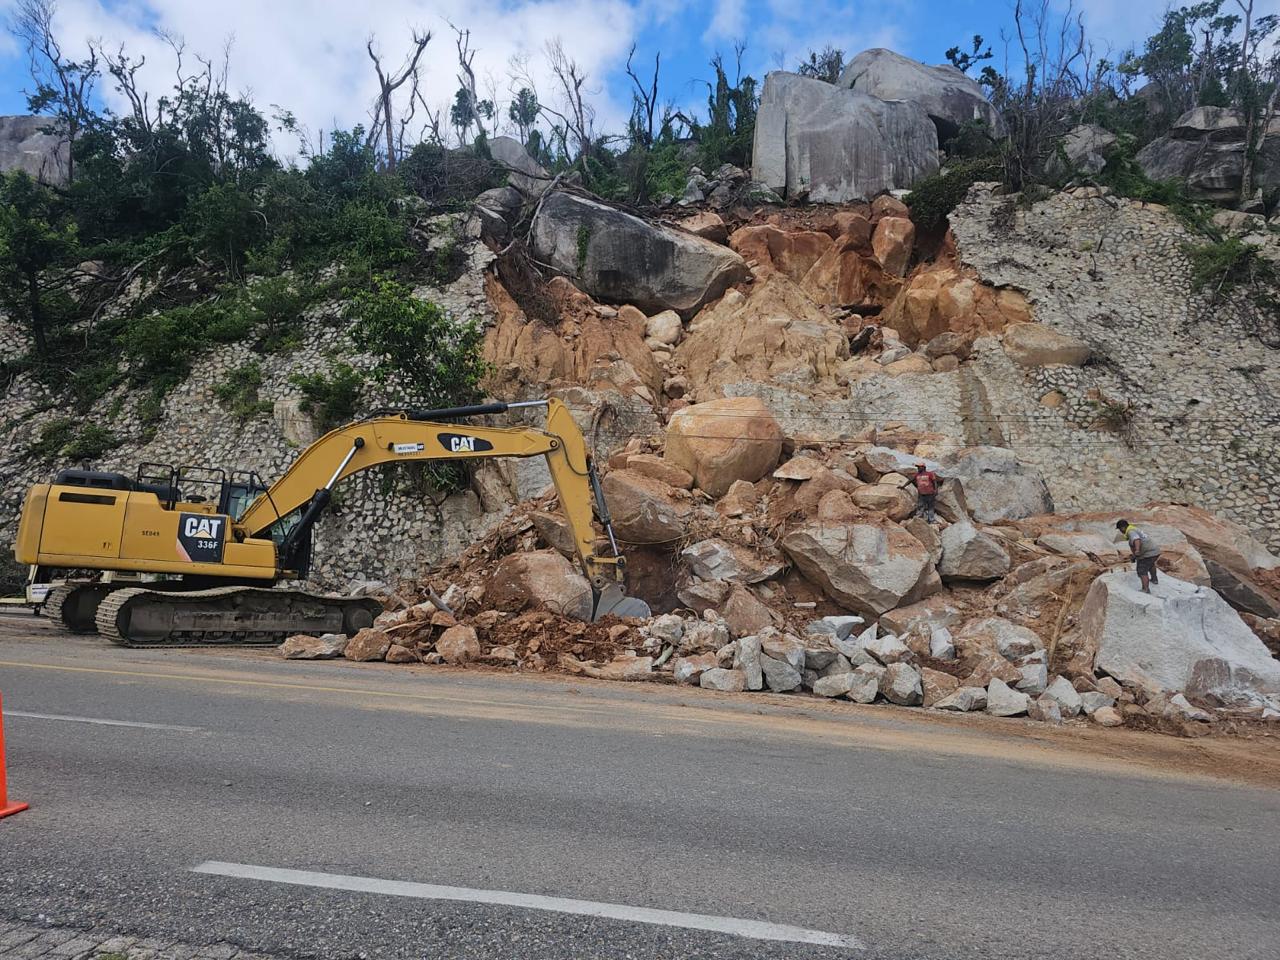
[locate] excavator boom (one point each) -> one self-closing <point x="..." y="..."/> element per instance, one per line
<point x="119" y="526"/>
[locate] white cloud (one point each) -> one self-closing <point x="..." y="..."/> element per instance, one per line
<point x="728" y="21"/>
<point x="309" y="55"/>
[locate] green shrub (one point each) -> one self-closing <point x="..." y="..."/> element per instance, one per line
<point x="239" y="392"/>
<point x="423" y="351"/>
<point x="1222" y="265"/>
<point x="333" y="397"/>
<point x="68" y="439"/>
<point x="933" y="198"/>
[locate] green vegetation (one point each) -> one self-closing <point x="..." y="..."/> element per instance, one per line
<point x="932" y="199"/>
<point x="1220" y="266"/>
<point x="239" y="392"/>
<point x="422" y="353"/>
<point x="584" y="247"/>
<point x="332" y="397"/>
<point x="69" y="439"/>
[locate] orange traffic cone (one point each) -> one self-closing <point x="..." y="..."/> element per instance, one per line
<point x="6" y="808"/>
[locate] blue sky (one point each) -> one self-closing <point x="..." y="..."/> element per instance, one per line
<point x="308" y="55"/>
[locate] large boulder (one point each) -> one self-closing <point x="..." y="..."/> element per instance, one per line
<point x="997" y="486"/>
<point x="644" y="510"/>
<point x="721" y="441"/>
<point x="776" y="335"/>
<point x="716" y="559"/>
<point x="26" y="147"/>
<point x="1035" y="345"/>
<point x="771" y="249"/>
<point x="970" y="554"/>
<point x="1205" y="148"/>
<point x="949" y="97"/>
<point x="941" y="299"/>
<point x="869" y="568"/>
<point x="523" y="172"/>
<point x="541" y="577"/>
<point x="831" y="144"/>
<point x="1178" y="638"/>
<point x="1085" y="149"/>
<point x="620" y="258"/>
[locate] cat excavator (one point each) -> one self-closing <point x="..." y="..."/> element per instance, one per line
<point x="211" y="546"/>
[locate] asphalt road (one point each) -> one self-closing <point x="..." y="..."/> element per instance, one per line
<point x="913" y="839"/>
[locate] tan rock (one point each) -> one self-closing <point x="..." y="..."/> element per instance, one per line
<point x="688" y="670"/>
<point x="789" y="252"/>
<point x="912" y="363"/>
<point x="399" y="654"/>
<point x="942" y="299"/>
<point x="644" y="510"/>
<point x="777" y="335"/>
<point x="937" y="685"/>
<point x="367" y="645"/>
<point x="887" y="206"/>
<point x="947" y="364"/>
<point x="708" y="224"/>
<point x="894" y="502"/>
<point x="304" y="647"/>
<point x="740" y="500"/>
<point x="1035" y="345"/>
<point x="633" y="319"/>
<point x="665" y="328"/>
<point x="845" y="276"/>
<point x="541" y="577"/>
<point x="850" y="223"/>
<point x="555" y="532"/>
<point x="458" y="644"/>
<point x="721" y="441"/>
<point x="892" y="243"/>
<point x="1107" y="717"/>
<point x="837" y="505"/>
<point x="745" y="615"/>
<point x="650" y="465"/>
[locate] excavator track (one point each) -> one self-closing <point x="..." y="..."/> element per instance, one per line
<point x="226" y="616"/>
<point x="73" y="606"/>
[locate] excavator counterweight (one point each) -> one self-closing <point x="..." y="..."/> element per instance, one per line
<point x="214" y="556"/>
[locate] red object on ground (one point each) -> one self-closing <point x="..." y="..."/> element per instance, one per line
<point x="6" y="808"/>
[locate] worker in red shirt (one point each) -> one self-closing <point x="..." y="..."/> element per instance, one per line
<point x="926" y="482"/>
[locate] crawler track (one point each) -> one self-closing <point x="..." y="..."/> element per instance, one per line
<point x="225" y="616"/>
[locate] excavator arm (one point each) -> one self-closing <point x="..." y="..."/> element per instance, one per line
<point x="421" y="436"/>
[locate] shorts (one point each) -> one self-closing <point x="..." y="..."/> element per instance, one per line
<point x="1147" y="566"/>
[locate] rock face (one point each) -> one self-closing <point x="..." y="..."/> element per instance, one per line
<point x="950" y="98"/>
<point x="777" y="335"/>
<point x="619" y="258"/>
<point x="721" y="441"/>
<point x="832" y="144"/>
<point x="523" y="172"/>
<point x="1178" y="638"/>
<point x="1206" y="149"/>
<point x="540" y="577"/>
<point x="998" y="487"/>
<point x="870" y="568"/>
<point x="25" y="146"/>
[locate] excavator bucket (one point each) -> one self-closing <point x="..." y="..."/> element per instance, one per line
<point x="613" y="600"/>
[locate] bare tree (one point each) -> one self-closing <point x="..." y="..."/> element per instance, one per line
<point x="389" y="83"/>
<point x="467" y="77"/>
<point x="645" y="95"/>
<point x="63" y="86"/>
<point x="577" y="118"/>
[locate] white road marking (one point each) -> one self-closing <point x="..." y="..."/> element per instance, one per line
<point x="751" y="929"/>
<point x="102" y="722"/>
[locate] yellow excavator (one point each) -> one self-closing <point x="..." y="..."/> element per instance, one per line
<point x="215" y="543"/>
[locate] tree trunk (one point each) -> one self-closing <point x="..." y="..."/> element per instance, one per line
<point x="36" y="309"/>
